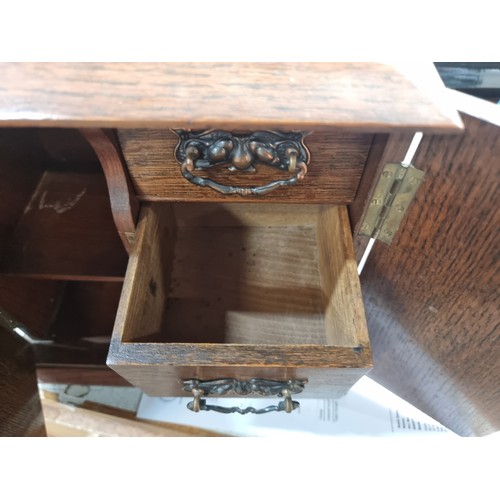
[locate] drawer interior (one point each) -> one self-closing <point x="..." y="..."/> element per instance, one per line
<point x="242" y="274"/>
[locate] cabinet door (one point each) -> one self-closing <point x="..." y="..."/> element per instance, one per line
<point x="20" y="408"/>
<point x="432" y="297"/>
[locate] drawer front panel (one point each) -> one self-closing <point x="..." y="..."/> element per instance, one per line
<point x="334" y="171"/>
<point x="166" y="380"/>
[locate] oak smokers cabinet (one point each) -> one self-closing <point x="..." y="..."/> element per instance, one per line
<point x="224" y="282"/>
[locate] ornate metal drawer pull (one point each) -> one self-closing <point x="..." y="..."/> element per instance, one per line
<point x="260" y="386"/>
<point x="197" y="152"/>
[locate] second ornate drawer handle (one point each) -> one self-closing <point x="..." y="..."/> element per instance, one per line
<point x="285" y="152"/>
<point x="260" y="386"/>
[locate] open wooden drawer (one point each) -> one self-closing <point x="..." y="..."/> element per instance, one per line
<point x="241" y="291"/>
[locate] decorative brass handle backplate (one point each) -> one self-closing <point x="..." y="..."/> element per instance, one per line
<point x="262" y="387"/>
<point x="200" y="151"/>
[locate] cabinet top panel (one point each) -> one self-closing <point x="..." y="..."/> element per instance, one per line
<point x="370" y="97"/>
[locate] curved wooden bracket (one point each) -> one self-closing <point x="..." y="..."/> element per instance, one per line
<point x="124" y="203"/>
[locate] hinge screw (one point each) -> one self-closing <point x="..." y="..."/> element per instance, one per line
<point x="387" y="173"/>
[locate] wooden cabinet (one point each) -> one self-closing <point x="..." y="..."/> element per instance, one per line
<point x="228" y="286"/>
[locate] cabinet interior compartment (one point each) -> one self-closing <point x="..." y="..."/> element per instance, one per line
<point x="55" y="213"/>
<point x="62" y="263"/>
<point x="76" y="316"/>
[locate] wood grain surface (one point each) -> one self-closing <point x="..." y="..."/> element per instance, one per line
<point x="77" y="315"/>
<point x="124" y="204"/>
<point x="80" y="374"/>
<point x="164" y="379"/>
<point x="102" y="421"/>
<point x="247" y="285"/>
<point x="142" y="303"/>
<point x="359" y="96"/>
<point x="35" y="303"/>
<point x="345" y="321"/>
<point x="337" y="162"/>
<point x="66" y="232"/>
<point x="244" y="214"/>
<point x="432" y="297"/>
<point x="87" y="310"/>
<point x="253" y="279"/>
<point x="20" y="173"/>
<point x="20" y="409"/>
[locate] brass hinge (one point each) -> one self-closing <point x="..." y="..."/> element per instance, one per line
<point x="392" y="197"/>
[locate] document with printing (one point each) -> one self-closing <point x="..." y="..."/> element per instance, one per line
<point x="368" y="409"/>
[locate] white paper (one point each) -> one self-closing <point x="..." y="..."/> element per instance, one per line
<point x="368" y="409"/>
